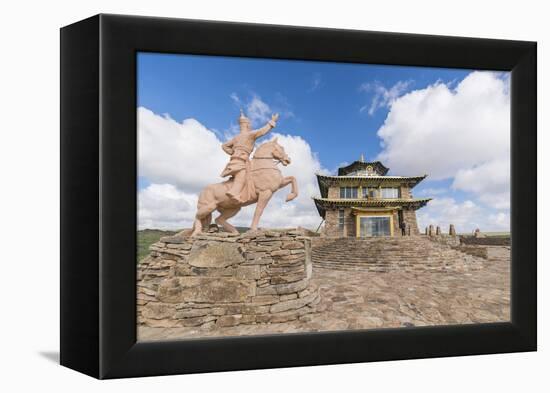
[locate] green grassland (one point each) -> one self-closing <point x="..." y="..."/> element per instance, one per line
<point x="147" y="237"/>
<point x="490" y="234"/>
<point x="497" y="234"/>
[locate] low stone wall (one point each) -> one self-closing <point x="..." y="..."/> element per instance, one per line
<point x="221" y="279"/>
<point x="476" y="251"/>
<point x="323" y="241"/>
<point x="409" y="219"/>
<point x="485" y="241"/>
<point x="455" y="242"/>
<point x="447" y="240"/>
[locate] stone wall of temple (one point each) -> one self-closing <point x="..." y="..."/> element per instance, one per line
<point x="409" y="219"/>
<point x="349" y="223"/>
<point x="331" y="228"/>
<point x="334" y="192"/>
<point x="396" y="228"/>
<point x="219" y="279"/>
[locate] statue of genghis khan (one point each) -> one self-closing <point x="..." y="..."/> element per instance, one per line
<point x="252" y="181"/>
<point x="240" y="148"/>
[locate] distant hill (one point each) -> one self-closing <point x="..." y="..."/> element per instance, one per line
<point x="146" y="237"/>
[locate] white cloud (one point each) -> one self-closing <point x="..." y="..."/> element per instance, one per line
<point x="164" y="206"/>
<point x="433" y="191"/>
<point x="441" y="131"/>
<point x="231" y="131"/>
<point x="383" y="97"/>
<point x="316" y="82"/>
<point x="500" y="221"/>
<point x="301" y="211"/>
<point x="282" y="106"/>
<point x="235" y="98"/>
<point x="185" y="154"/>
<point x="490" y="181"/>
<point x="460" y="133"/>
<point x="466" y="216"/>
<point x="179" y="159"/>
<point x="258" y="111"/>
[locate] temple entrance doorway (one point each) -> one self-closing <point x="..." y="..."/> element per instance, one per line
<point x="370" y="226"/>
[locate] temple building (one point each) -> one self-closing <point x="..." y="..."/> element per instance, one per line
<point x="362" y="201"/>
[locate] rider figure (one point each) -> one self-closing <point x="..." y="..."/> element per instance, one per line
<point x="239" y="148"/>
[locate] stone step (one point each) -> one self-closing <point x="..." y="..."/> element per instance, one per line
<point x="388" y="254"/>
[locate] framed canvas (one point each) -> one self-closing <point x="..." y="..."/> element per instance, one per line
<point x="330" y="258"/>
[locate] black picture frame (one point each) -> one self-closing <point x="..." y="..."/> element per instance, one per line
<point x="98" y="196"/>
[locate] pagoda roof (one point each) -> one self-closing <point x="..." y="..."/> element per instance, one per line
<point x="326" y="180"/>
<point x="323" y="204"/>
<point x="377" y="166"/>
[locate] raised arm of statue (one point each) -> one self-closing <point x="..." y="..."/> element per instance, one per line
<point x="228" y="147"/>
<point x="265" y="129"/>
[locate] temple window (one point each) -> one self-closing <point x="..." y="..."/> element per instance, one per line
<point x="389" y="193"/>
<point x="348" y="192"/>
<point x="370" y="192"/>
<point x="341" y="219"/>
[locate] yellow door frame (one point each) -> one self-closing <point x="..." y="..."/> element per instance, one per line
<point x="372" y="214"/>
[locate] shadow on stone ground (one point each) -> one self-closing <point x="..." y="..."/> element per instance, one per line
<point x="366" y="300"/>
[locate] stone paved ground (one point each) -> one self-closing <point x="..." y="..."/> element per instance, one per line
<point x="364" y="300"/>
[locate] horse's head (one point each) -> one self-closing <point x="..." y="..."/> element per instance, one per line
<point x="273" y="150"/>
<point x="279" y="153"/>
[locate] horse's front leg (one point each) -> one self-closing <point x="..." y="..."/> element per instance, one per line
<point x="226" y="214"/>
<point x="263" y="199"/>
<point x="293" y="188"/>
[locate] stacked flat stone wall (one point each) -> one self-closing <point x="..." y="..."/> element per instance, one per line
<point x="409" y="219"/>
<point x="334" y="192"/>
<point x="349" y="223"/>
<point x="485" y="241"/>
<point x="448" y="240"/>
<point x="477" y="251"/>
<point x="396" y="225"/>
<point x="220" y="279"/>
<point x="331" y="228"/>
<point x="456" y="243"/>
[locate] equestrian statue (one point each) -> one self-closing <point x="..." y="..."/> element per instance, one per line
<point x="250" y="181"/>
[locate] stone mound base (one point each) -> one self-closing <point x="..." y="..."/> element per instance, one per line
<point x="221" y="279"/>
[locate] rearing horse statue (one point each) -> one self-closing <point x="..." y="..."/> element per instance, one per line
<point x="266" y="179"/>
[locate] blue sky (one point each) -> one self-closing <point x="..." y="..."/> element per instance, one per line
<point x="338" y="109"/>
<point x="327" y="115"/>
